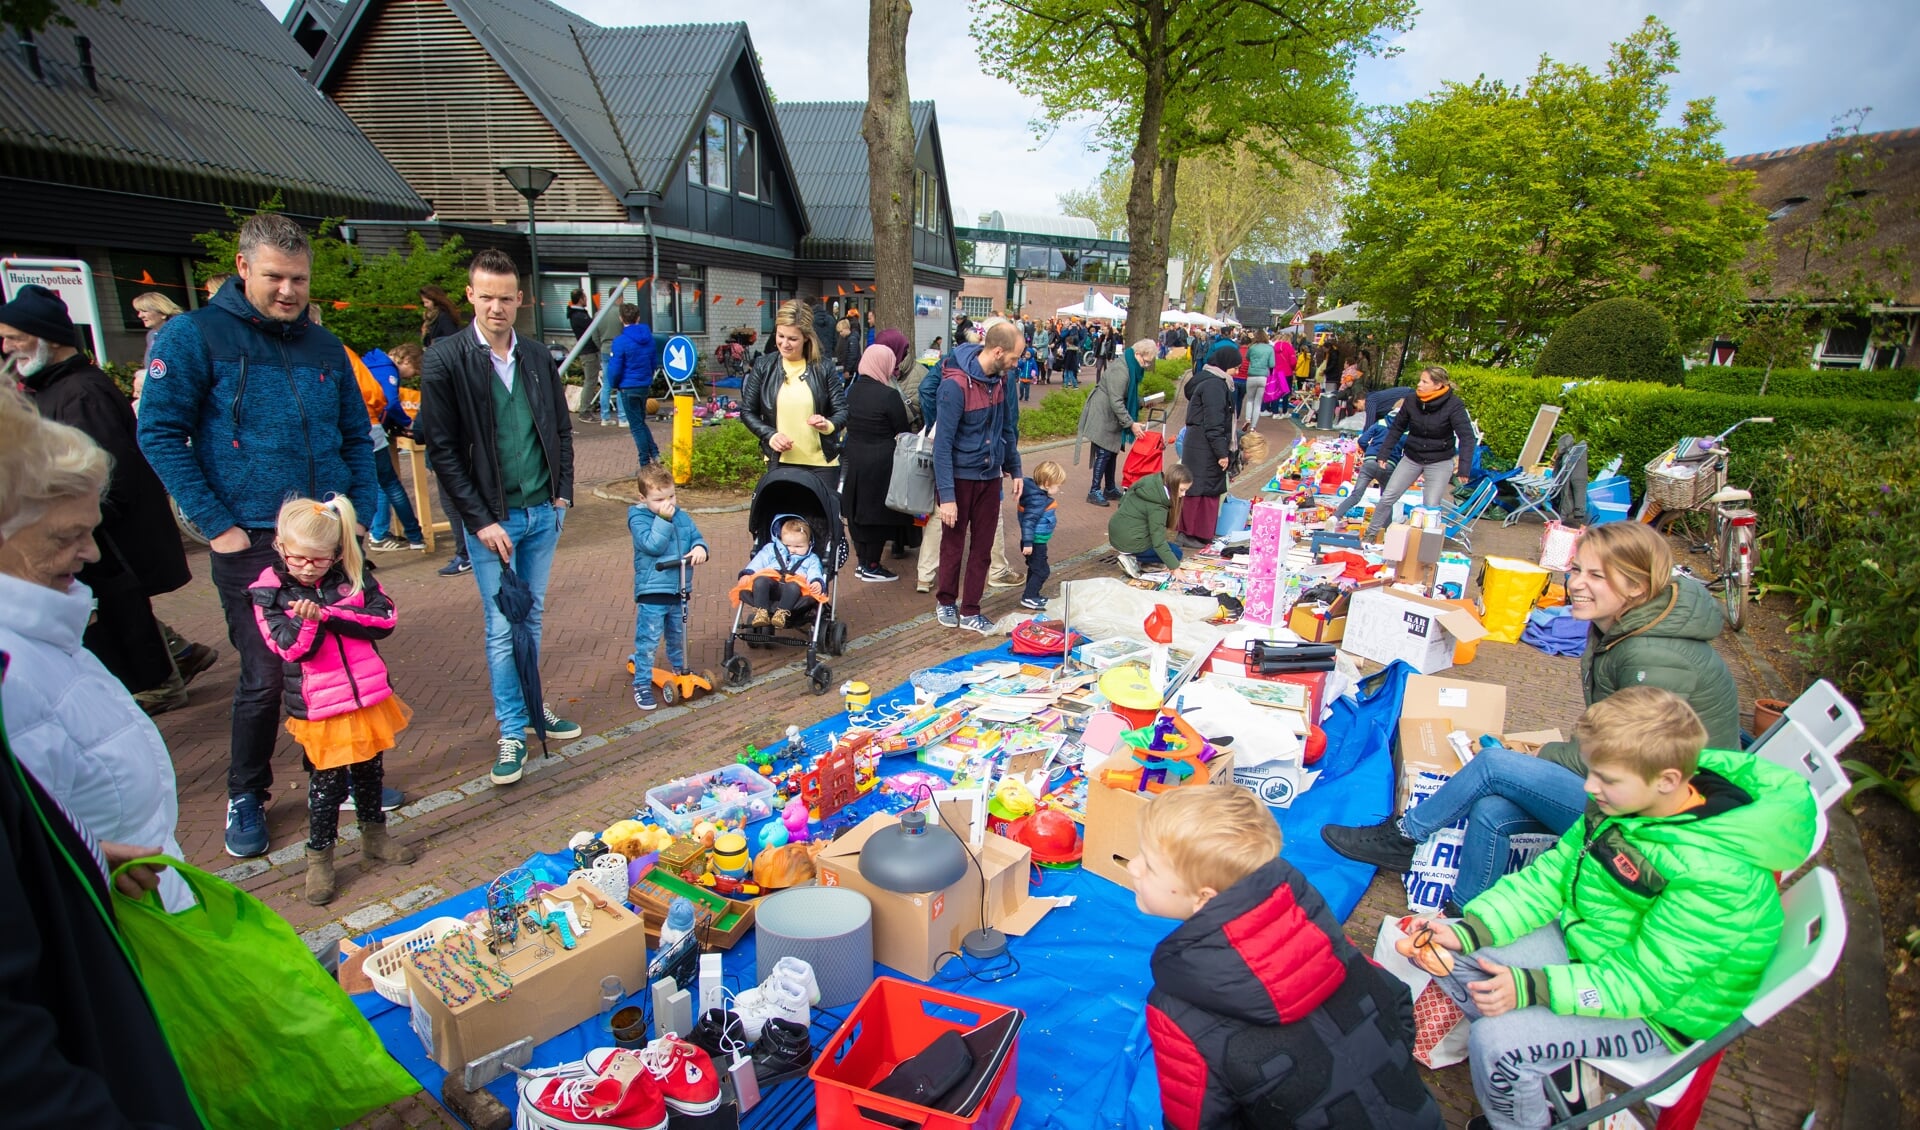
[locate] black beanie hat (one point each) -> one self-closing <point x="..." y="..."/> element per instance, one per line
<point x="38" y="311"/>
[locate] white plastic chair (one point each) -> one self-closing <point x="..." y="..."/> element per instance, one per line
<point x="1809" y="739"/>
<point x="1811" y="940"/>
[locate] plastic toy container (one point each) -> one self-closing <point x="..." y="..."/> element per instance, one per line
<point x="679" y="805"/>
<point x="1611" y="488"/>
<point x="894" y="1022"/>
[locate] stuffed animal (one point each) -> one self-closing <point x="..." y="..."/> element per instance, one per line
<point x="635" y="840"/>
<point x="788" y="865"/>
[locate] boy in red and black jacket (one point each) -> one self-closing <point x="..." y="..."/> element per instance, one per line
<point x="1262" y="1012"/>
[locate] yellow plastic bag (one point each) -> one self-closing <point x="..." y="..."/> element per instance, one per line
<point x="1509" y="589"/>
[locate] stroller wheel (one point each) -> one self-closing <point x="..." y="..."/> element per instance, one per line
<point x="822" y="677"/>
<point x="837" y="638"/>
<point x="739" y="671"/>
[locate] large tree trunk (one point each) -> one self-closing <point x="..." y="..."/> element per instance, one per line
<point x="1216" y="271"/>
<point x="1150" y="199"/>
<point x="888" y="129"/>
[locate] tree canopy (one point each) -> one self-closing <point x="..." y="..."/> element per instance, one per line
<point x="1173" y="78"/>
<point x="368" y="301"/>
<point x="1493" y="212"/>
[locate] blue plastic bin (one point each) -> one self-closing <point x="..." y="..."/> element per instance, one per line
<point x="1600" y="513"/>
<point x="1614" y="488"/>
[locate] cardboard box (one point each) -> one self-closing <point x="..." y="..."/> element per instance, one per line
<point x="547" y="998"/>
<point x="1388" y="624"/>
<point x="1303" y="623"/>
<point x="1113" y="818"/>
<point x="911" y="931"/>
<point x="1429" y="709"/>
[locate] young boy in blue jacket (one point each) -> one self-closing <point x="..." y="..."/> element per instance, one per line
<point x="662" y="534"/>
<point x="1037" y="519"/>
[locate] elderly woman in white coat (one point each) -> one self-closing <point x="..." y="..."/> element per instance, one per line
<point x="70" y="722"/>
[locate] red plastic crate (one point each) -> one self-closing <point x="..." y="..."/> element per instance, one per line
<point x="893" y="1022"/>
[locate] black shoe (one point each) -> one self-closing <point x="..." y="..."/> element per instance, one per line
<point x="719" y="1034"/>
<point x="1115" y="495"/>
<point x="1096" y="498"/>
<point x="1479" y="1122"/>
<point x="197" y="658"/>
<point x="1382" y="845"/>
<point x="784" y="1051"/>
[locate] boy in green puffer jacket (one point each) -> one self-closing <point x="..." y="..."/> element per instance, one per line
<point x="1646" y="928"/>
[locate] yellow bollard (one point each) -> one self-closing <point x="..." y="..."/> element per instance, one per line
<point x="682" y="439"/>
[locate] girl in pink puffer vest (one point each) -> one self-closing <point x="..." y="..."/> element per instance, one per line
<point x="320" y="609"/>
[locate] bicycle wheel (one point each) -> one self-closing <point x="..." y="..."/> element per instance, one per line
<point x="1692" y="528"/>
<point x="1735" y="566"/>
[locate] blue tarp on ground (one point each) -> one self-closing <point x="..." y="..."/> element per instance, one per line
<point x="1084" y="1060"/>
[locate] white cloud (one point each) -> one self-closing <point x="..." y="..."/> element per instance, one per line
<point x="1779" y="71"/>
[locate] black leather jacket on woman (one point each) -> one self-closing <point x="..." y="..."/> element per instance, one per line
<point x="760" y="401"/>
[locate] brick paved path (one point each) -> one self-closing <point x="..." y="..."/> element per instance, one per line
<point x="467" y="831"/>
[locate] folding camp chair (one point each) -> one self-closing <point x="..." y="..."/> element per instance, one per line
<point x="1460" y="518"/>
<point x="1537" y="492"/>
<point x="1809" y="739"/>
<point x="1811" y="938"/>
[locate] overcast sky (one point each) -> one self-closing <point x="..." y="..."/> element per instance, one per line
<point x="1780" y="71"/>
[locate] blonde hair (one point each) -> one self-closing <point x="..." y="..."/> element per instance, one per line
<point x="153" y="302"/>
<point x="328" y="523"/>
<point x="1645" y="730"/>
<point x="1049" y="474"/>
<point x="42" y="462"/>
<point x="799" y="315"/>
<point x="1175" y="476"/>
<point x="1637" y="561"/>
<point x="1209" y="835"/>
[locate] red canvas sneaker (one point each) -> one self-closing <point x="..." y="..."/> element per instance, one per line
<point x="622" y="1094"/>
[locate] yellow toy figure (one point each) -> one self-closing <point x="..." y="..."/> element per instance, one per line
<point x="730" y="868"/>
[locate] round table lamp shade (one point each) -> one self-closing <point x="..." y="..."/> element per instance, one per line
<point x="829" y="928"/>
<point x="913" y="856"/>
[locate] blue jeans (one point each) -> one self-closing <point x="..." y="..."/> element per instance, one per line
<point x="535" y="532"/>
<point x="1150" y="559"/>
<point x="614" y="406"/>
<point x="634" y="401"/>
<point x="651" y="621"/>
<point x="397" y="501"/>
<point x="1502" y="794"/>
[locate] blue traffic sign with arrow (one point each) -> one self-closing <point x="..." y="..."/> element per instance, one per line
<point x="679" y="358"/>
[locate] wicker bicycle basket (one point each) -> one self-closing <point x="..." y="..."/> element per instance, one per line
<point x="1671" y="491"/>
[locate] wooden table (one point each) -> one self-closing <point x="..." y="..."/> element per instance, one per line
<point x="424" y="493"/>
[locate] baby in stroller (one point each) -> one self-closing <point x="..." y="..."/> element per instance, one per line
<point x="785" y="573"/>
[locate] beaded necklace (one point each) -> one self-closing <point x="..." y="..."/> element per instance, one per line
<point x="445" y="980"/>
<point x="461" y="949"/>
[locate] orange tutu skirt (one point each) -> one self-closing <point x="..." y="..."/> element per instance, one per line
<point x="348" y="739"/>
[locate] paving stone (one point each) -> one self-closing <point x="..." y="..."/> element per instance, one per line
<point x="368" y="916"/>
<point x="416" y="898"/>
<point x="288" y="854"/>
<point x="433" y="802"/>
<point x="324" y="935"/>
<point x="243" y="870"/>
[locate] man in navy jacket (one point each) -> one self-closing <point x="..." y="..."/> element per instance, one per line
<point x="976" y="440"/>
<point x="247" y="403"/>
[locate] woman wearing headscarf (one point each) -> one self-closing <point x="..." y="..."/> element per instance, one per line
<point x="1209" y="444"/>
<point x="875" y="415"/>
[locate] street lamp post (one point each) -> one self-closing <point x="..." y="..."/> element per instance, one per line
<point x="530" y="182"/>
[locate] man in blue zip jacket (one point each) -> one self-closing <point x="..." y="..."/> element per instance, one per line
<point x="976" y="440"/>
<point x="247" y="403"/>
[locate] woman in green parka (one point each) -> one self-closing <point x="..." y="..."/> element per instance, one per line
<point x="1648" y="628"/>
<point x="1148" y="513"/>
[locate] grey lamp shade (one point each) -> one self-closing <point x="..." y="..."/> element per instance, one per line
<point x="829" y="928"/>
<point x="913" y="856"/>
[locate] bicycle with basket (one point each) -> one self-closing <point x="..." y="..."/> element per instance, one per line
<point x="1686" y="484"/>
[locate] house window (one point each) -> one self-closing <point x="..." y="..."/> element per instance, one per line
<point x="974" y="307"/>
<point x="1846" y="345"/>
<point x="919" y="199"/>
<point x="746" y="160"/>
<point x="693" y="298"/>
<point x="933" y="204"/>
<point x="717" y="152"/>
<point x="773" y="291"/>
<point x="168" y="277"/>
<point x="693" y="162"/>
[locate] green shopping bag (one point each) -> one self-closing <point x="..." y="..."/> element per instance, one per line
<point x="263" y="1035"/>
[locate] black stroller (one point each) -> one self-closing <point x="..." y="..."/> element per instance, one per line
<point x="783" y="491"/>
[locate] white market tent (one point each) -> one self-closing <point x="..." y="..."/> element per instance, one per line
<point x="1187" y="318"/>
<point x="1351" y="312"/>
<point x="1102" y="307"/>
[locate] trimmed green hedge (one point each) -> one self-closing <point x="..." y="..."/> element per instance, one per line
<point x="1639" y="421"/>
<point x="725" y="457"/>
<point x="1888" y="384"/>
<point x="1057" y="415"/>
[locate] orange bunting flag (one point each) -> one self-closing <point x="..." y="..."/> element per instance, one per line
<point x="762" y="302"/>
<point x="147" y="278"/>
<point x="676" y="287"/>
<point x="736" y="302"/>
<point x="716" y="299"/>
<point x="341" y="304"/>
<point x="842" y="290"/>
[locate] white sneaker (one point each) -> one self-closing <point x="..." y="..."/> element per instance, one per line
<point x="801" y="973"/>
<point x="776" y="996"/>
<point x="1131" y="564"/>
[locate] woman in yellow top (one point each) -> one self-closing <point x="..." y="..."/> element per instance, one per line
<point x="794" y="400"/>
